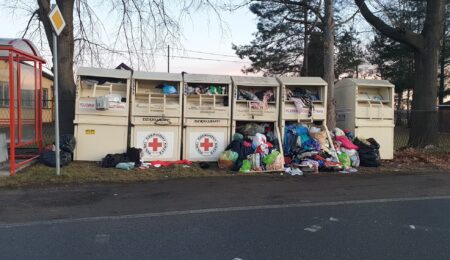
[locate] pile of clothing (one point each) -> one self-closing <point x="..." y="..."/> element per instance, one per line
<point x="302" y="98"/>
<point x="308" y="148"/>
<point x="345" y="148"/>
<point x="259" y="98"/>
<point x="251" y="150"/>
<point x="205" y="89"/>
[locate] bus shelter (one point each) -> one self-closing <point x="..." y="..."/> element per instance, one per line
<point x="20" y="104"/>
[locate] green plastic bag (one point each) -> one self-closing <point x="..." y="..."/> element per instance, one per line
<point x="269" y="159"/>
<point x="229" y="155"/>
<point x="246" y="166"/>
<point x="345" y="160"/>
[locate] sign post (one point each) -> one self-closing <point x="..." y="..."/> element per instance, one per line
<point x="58" y="24"/>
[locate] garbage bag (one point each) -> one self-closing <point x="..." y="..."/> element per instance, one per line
<point x="229" y="156"/>
<point x="258" y="140"/>
<point x="277" y="165"/>
<point x="270" y="159"/>
<point x="250" y="129"/>
<point x="111" y="160"/>
<point x="227" y="159"/>
<point x="345" y="160"/>
<point x="369" y="152"/>
<point x="125" y="165"/>
<point x="49" y="158"/>
<point x="255" y="160"/>
<point x="246" y="166"/>
<point x="67" y="143"/>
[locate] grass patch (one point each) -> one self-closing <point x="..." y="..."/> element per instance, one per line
<point x="89" y="172"/>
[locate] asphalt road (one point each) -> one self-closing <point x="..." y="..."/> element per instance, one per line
<point x="356" y="217"/>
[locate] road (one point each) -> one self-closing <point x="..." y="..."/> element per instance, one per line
<point x="316" y="217"/>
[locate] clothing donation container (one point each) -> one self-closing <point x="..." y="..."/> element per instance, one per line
<point x="367" y="108"/>
<point x="156" y="115"/>
<point x="256" y="100"/>
<point x="101" y="112"/>
<point x="303" y="100"/>
<point x="206" y="116"/>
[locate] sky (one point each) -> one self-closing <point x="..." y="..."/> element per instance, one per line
<point x="199" y="34"/>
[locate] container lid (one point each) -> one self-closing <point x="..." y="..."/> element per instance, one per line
<point x="104" y="73"/>
<point x="306" y="81"/>
<point x="255" y="81"/>
<point x="368" y="82"/>
<point x="207" y="78"/>
<point x="162" y="76"/>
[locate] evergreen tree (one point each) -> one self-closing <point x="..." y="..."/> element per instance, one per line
<point x="350" y="54"/>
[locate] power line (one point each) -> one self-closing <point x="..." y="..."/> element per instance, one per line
<point x="207" y="53"/>
<point x="178" y="56"/>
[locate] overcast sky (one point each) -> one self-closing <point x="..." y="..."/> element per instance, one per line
<point x="200" y="34"/>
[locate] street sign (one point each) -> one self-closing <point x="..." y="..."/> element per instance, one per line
<point x="57" y="20"/>
<point x="58" y="24"/>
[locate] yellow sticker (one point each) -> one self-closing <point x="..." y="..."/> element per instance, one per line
<point x="89" y="131"/>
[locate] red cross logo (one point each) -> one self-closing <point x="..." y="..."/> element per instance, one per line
<point x="155" y="144"/>
<point x="206" y="144"/>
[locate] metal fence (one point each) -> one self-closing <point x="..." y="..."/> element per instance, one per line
<point x="402" y="127"/>
<point x="401" y="132"/>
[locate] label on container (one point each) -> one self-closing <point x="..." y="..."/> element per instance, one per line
<point x="89" y="131"/>
<point x="155" y="144"/>
<point x="206" y="145"/>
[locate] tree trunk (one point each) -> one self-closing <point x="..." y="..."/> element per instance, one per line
<point x="65" y="70"/>
<point x="399" y="108"/>
<point x="328" y="62"/>
<point x="305" y="45"/>
<point x="66" y="84"/>
<point x="442" y="73"/>
<point x="424" y="124"/>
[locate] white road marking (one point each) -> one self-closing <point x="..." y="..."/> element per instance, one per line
<point x="216" y="210"/>
<point x="412" y="227"/>
<point x="313" y="228"/>
<point x="102" y="238"/>
<point x="334" y="219"/>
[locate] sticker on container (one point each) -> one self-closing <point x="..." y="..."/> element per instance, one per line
<point x="158" y="145"/>
<point x="206" y="144"/>
<point x="89" y="131"/>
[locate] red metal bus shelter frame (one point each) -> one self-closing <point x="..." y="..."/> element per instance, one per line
<point x="19" y="56"/>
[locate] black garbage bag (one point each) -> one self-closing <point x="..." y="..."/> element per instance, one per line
<point x="111" y="160"/>
<point x="49" y="158"/>
<point x="135" y="155"/>
<point x="369" y="154"/>
<point x="67" y="143"/>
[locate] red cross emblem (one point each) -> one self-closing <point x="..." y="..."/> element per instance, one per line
<point x="155" y="144"/>
<point x="206" y="144"/>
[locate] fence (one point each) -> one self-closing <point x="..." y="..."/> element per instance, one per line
<point x="402" y="127"/>
<point x="401" y="132"/>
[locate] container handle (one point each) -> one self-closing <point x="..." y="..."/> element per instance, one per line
<point x="163" y="121"/>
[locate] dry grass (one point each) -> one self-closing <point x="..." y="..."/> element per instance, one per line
<point x="88" y="172"/>
<point x="406" y="161"/>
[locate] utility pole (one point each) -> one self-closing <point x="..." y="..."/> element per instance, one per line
<point x="168" y="58"/>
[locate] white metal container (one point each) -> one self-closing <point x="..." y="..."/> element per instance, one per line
<point x="156" y="115"/>
<point x="101" y="130"/>
<point x="258" y="111"/>
<point x="367" y="108"/>
<point x="313" y="86"/>
<point x="206" y="116"/>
